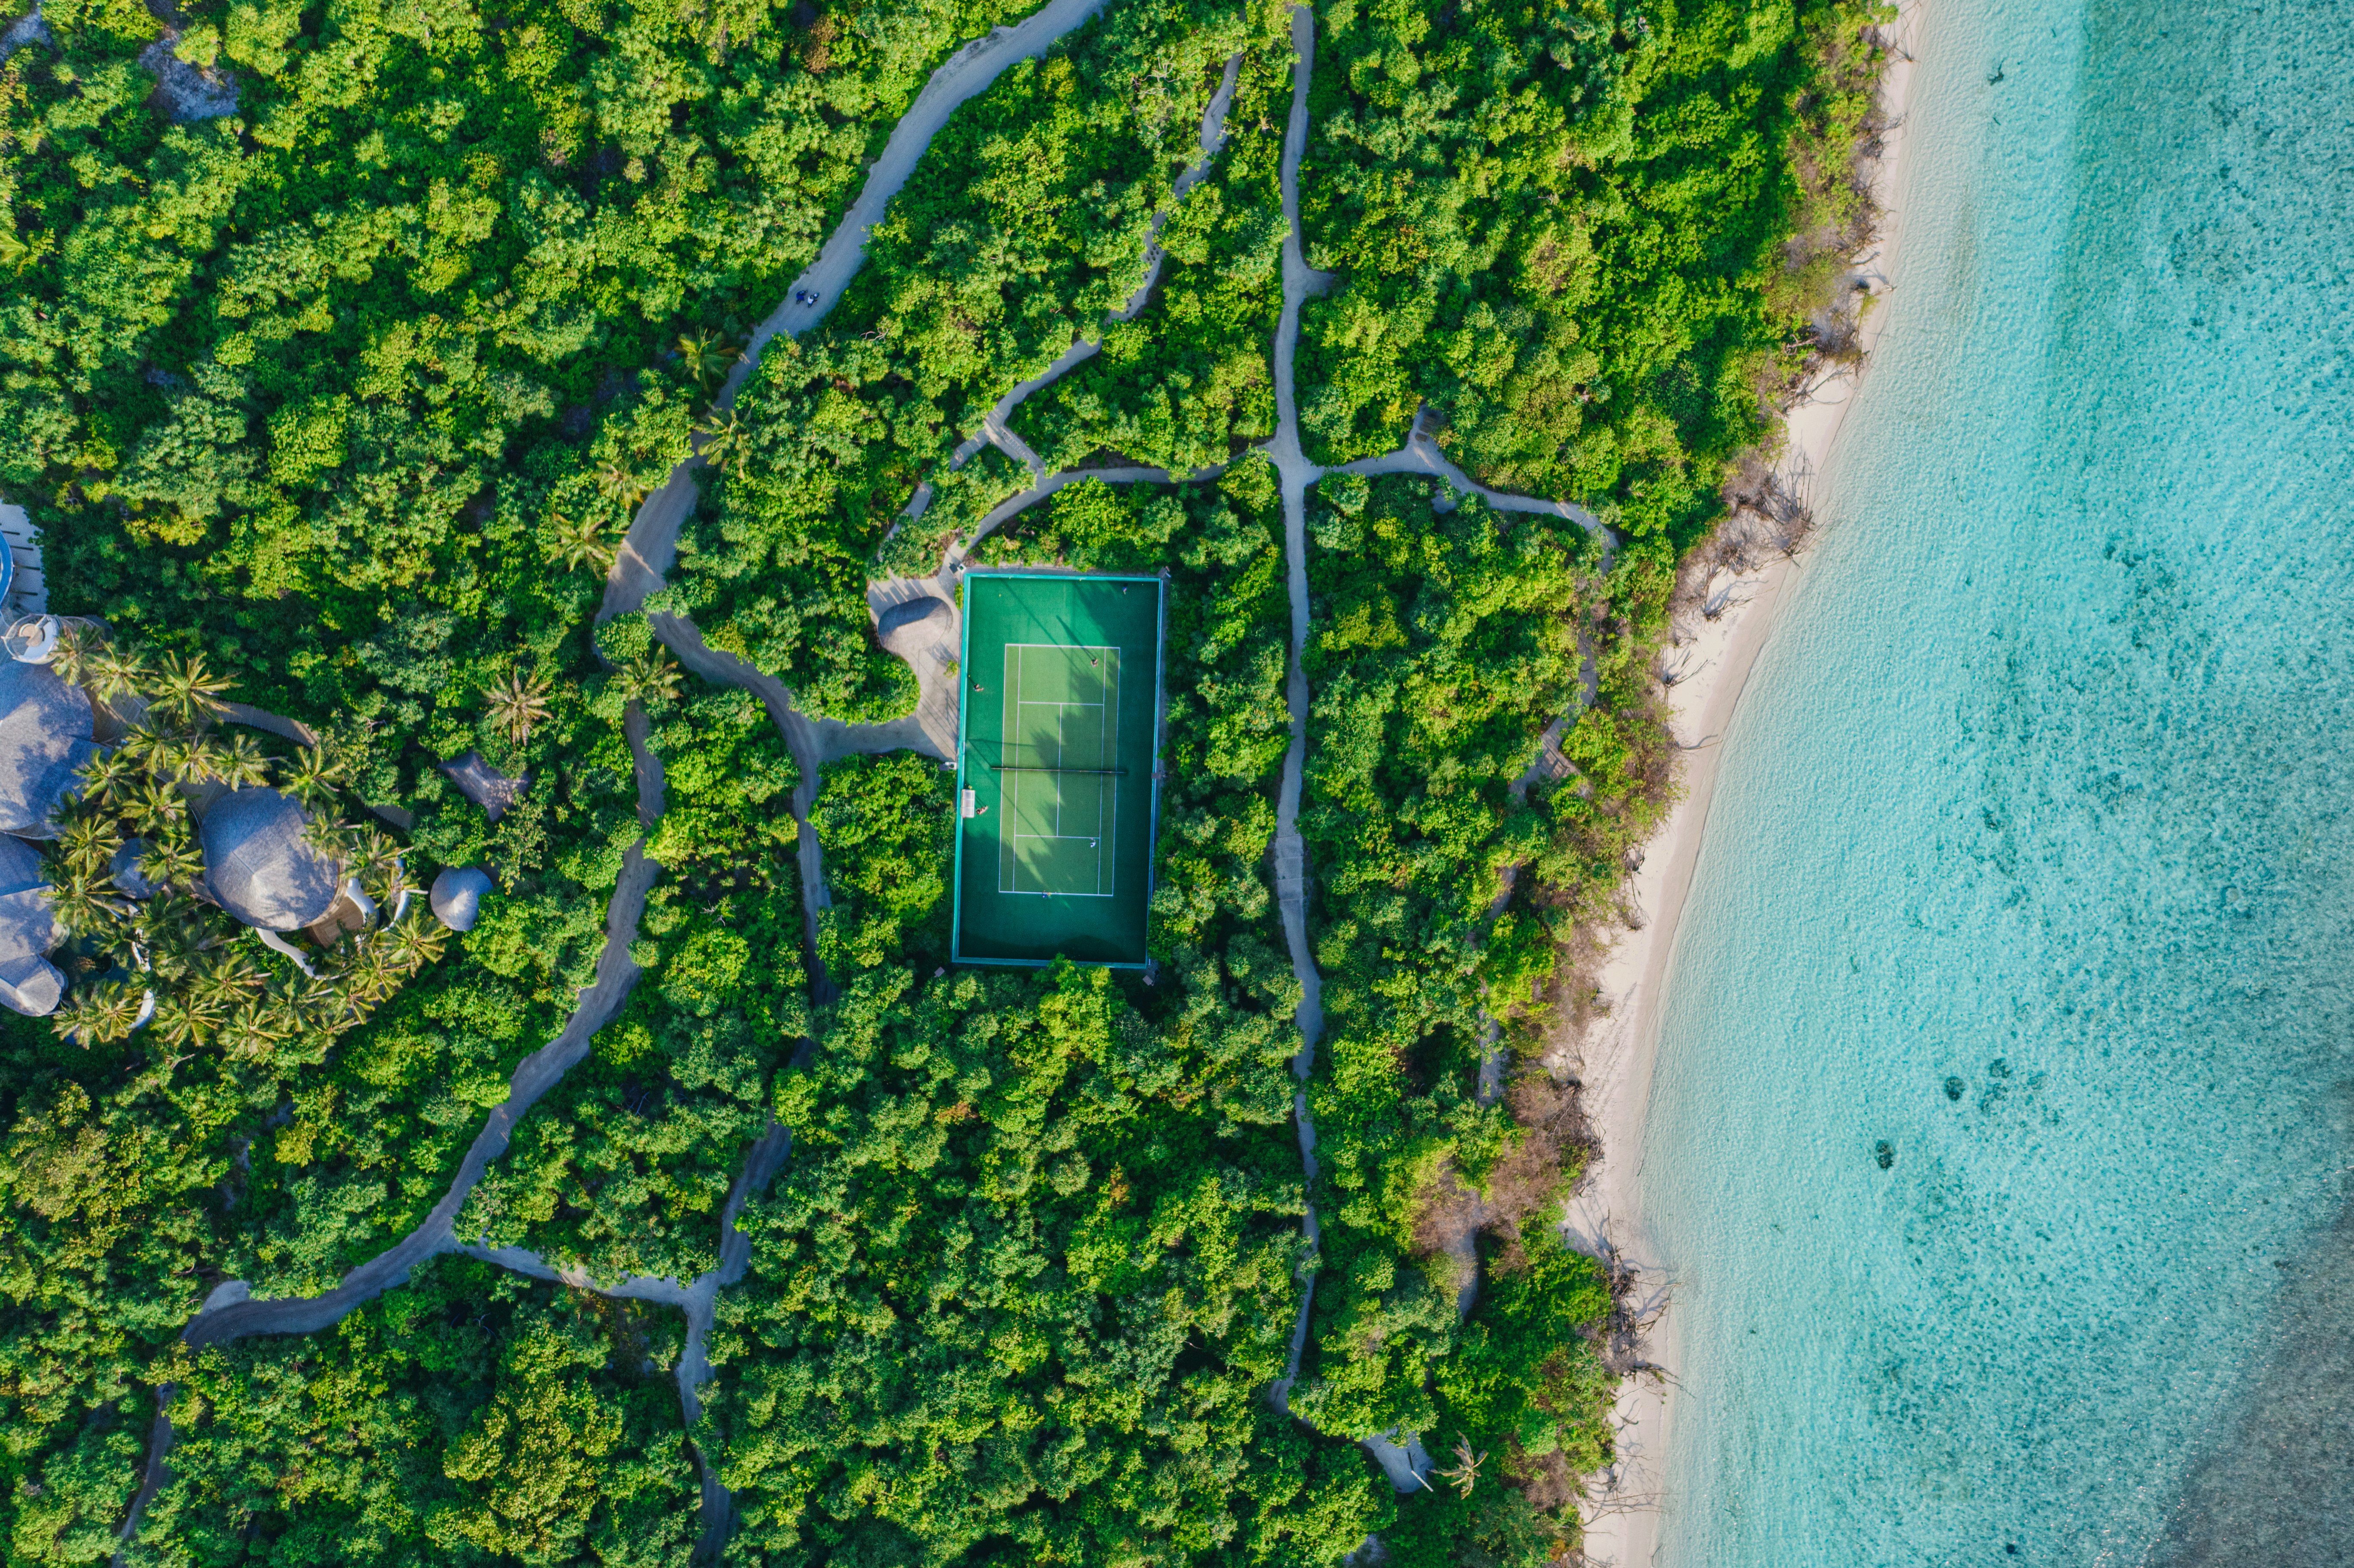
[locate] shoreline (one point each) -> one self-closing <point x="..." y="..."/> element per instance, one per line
<point x="1615" y="1056"/>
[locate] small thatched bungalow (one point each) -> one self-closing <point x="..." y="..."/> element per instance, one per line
<point x="259" y="866"/>
<point x="458" y="894"/>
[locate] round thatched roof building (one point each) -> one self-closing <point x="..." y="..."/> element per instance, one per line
<point x="458" y="895"/>
<point x="45" y="740"/>
<point x="258" y="865"/>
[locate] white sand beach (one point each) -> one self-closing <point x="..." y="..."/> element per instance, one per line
<point x="1710" y="665"/>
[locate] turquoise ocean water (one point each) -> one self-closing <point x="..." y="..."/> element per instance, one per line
<point x="2032" y="856"/>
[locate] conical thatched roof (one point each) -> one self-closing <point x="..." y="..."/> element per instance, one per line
<point x="20" y="866"/>
<point x="28" y="982"/>
<point x="258" y="865"/>
<point x="45" y="740"/>
<point x="458" y="896"/>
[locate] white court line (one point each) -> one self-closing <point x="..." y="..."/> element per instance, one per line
<point x="1010" y="836"/>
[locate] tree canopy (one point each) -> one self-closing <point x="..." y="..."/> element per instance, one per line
<point x="341" y="345"/>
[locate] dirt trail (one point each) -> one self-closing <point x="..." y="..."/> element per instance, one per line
<point x="1421" y="455"/>
<point x="231" y="1314"/>
<point x="652" y="547"/>
<point x="1295" y="475"/>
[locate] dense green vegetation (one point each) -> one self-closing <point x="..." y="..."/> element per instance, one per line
<point x="1021" y="1292"/>
<point x="1588" y="234"/>
<point x="888" y="832"/>
<point x="422" y="316"/>
<point x="1024" y="226"/>
<point x="1444" y="643"/>
<point x="348" y="395"/>
<point x="623" y="1167"/>
<point x="1187" y="381"/>
<point x="472" y="1417"/>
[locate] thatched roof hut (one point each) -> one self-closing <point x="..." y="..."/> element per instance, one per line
<point x="30" y="983"/>
<point x="45" y="740"/>
<point x="458" y="895"/>
<point x="259" y="866"/>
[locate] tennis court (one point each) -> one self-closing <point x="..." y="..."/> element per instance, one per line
<point x="1055" y="794"/>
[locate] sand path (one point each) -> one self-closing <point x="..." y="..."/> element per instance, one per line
<point x="1295" y="474"/>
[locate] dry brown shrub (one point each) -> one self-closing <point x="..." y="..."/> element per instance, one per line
<point x="1546" y="1480"/>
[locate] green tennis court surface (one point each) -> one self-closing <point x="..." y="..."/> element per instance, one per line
<point x="1056" y="796"/>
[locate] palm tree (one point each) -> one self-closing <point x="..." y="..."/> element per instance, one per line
<point x="88" y="843"/>
<point x="253" y="1029"/>
<point x="189" y="691"/>
<point x="368" y="976"/>
<point x="703" y="359"/>
<point x="415" y="944"/>
<point x="312" y="779"/>
<point x="241" y="764"/>
<point x="138" y="747"/>
<point x="652" y="677"/>
<point x="167" y="757"/>
<point x="155" y="805"/>
<point x="75" y="656"/>
<point x="330" y="835"/>
<point x="121" y="672"/>
<point x="104" y="776"/>
<point x="320" y="1001"/>
<point x="87" y="907"/>
<point x="1466" y="1471"/>
<point x="226" y="976"/>
<point x="725" y="444"/>
<point x="176" y="921"/>
<point x="101" y="1014"/>
<point x="621" y="486"/>
<point x="285" y="1008"/>
<point x="171" y="923"/>
<point x="519" y="704"/>
<point x="187" y="1020"/>
<point x="173" y="860"/>
<point x="202" y="760"/>
<point x="578" y="545"/>
<point x="376" y="861"/>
